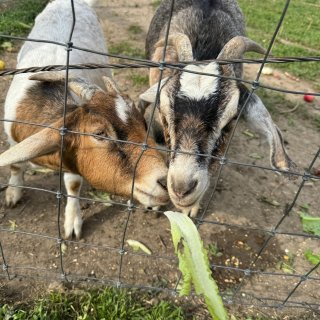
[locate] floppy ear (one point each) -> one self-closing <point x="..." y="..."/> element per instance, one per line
<point x="78" y="86"/>
<point x="110" y="85"/>
<point x="259" y="118"/>
<point x="45" y="141"/>
<point x="149" y="96"/>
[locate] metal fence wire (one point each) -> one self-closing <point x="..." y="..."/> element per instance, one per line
<point x="238" y="296"/>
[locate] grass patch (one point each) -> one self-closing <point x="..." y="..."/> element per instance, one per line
<point x="155" y="4"/>
<point x="139" y="80"/>
<point x="110" y="303"/>
<point x="126" y="49"/>
<point x="17" y="17"/>
<point x="135" y="29"/>
<point x="298" y="36"/>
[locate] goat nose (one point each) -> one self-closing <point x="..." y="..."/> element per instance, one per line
<point x="183" y="189"/>
<point x="163" y="183"/>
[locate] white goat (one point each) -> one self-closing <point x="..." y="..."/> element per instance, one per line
<point x="90" y="110"/>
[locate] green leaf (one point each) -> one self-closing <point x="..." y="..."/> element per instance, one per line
<point x="248" y="133"/>
<point x="255" y="156"/>
<point x="24" y="25"/>
<point x="13" y="225"/>
<point x="137" y="245"/>
<point x="101" y="196"/>
<point x="287" y="268"/>
<point x="194" y="263"/>
<point x="6" y="45"/>
<point x="272" y="202"/>
<point x="311" y="257"/>
<point x="310" y="224"/>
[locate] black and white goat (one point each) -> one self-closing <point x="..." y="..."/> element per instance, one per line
<point x="196" y="111"/>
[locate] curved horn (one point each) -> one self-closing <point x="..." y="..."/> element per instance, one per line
<point x="82" y="88"/>
<point x="237" y="46"/>
<point x="79" y="86"/>
<point x="182" y="44"/>
<point x="49" y="76"/>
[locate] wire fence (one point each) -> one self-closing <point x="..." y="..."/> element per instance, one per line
<point x="239" y="296"/>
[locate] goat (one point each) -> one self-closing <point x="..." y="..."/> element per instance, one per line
<point x="197" y="111"/>
<point x="98" y="114"/>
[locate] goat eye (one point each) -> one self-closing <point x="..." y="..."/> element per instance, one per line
<point x="99" y="135"/>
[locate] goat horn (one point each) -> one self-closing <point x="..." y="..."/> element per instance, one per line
<point x="182" y="44"/>
<point x="83" y="89"/>
<point x="237" y="46"/>
<point x="47" y="76"/>
<point x="80" y="87"/>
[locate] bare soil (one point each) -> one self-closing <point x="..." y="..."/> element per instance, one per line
<point x="237" y="215"/>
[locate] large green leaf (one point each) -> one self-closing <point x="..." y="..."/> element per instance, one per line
<point x="194" y="263"/>
<point x="310" y="224"/>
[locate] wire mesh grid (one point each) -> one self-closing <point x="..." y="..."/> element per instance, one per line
<point x="240" y="294"/>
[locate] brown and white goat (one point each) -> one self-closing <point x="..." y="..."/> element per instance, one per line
<point x="97" y="113"/>
<point x="197" y="111"/>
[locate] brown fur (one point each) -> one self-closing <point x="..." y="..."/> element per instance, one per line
<point x="74" y="186"/>
<point x="14" y="169"/>
<point x="102" y="162"/>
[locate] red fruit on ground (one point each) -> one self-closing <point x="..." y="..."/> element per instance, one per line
<point x="308" y="98"/>
<point x="317" y="172"/>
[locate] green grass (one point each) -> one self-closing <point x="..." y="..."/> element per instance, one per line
<point x="135" y="29"/>
<point x="317" y="122"/>
<point x="298" y="36"/>
<point x="17" y="17"/>
<point x="126" y="49"/>
<point x="139" y="80"/>
<point x="108" y="304"/>
<point x="156" y="3"/>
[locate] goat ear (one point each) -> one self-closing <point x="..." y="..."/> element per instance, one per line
<point x="78" y="86"/>
<point x="45" y="141"/>
<point x="259" y="118"/>
<point x="149" y="96"/>
<point x="110" y="85"/>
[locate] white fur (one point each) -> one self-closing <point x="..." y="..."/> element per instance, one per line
<point x="14" y="194"/>
<point x="54" y="23"/>
<point x="183" y="170"/>
<point x="122" y="108"/>
<point x="196" y="86"/>
<point x="73" y="219"/>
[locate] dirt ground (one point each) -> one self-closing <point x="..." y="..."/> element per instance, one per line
<point x="247" y="200"/>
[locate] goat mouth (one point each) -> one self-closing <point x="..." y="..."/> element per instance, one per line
<point x="191" y="204"/>
<point x="159" y="200"/>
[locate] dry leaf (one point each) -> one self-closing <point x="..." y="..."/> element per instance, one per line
<point x="136" y="245"/>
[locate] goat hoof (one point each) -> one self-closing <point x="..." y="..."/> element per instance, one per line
<point x="191" y="213"/>
<point x="78" y="236"/>
<point x="13" y="195"/>
<point x="194" y="211"/>
<point x="67" y="237"/>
